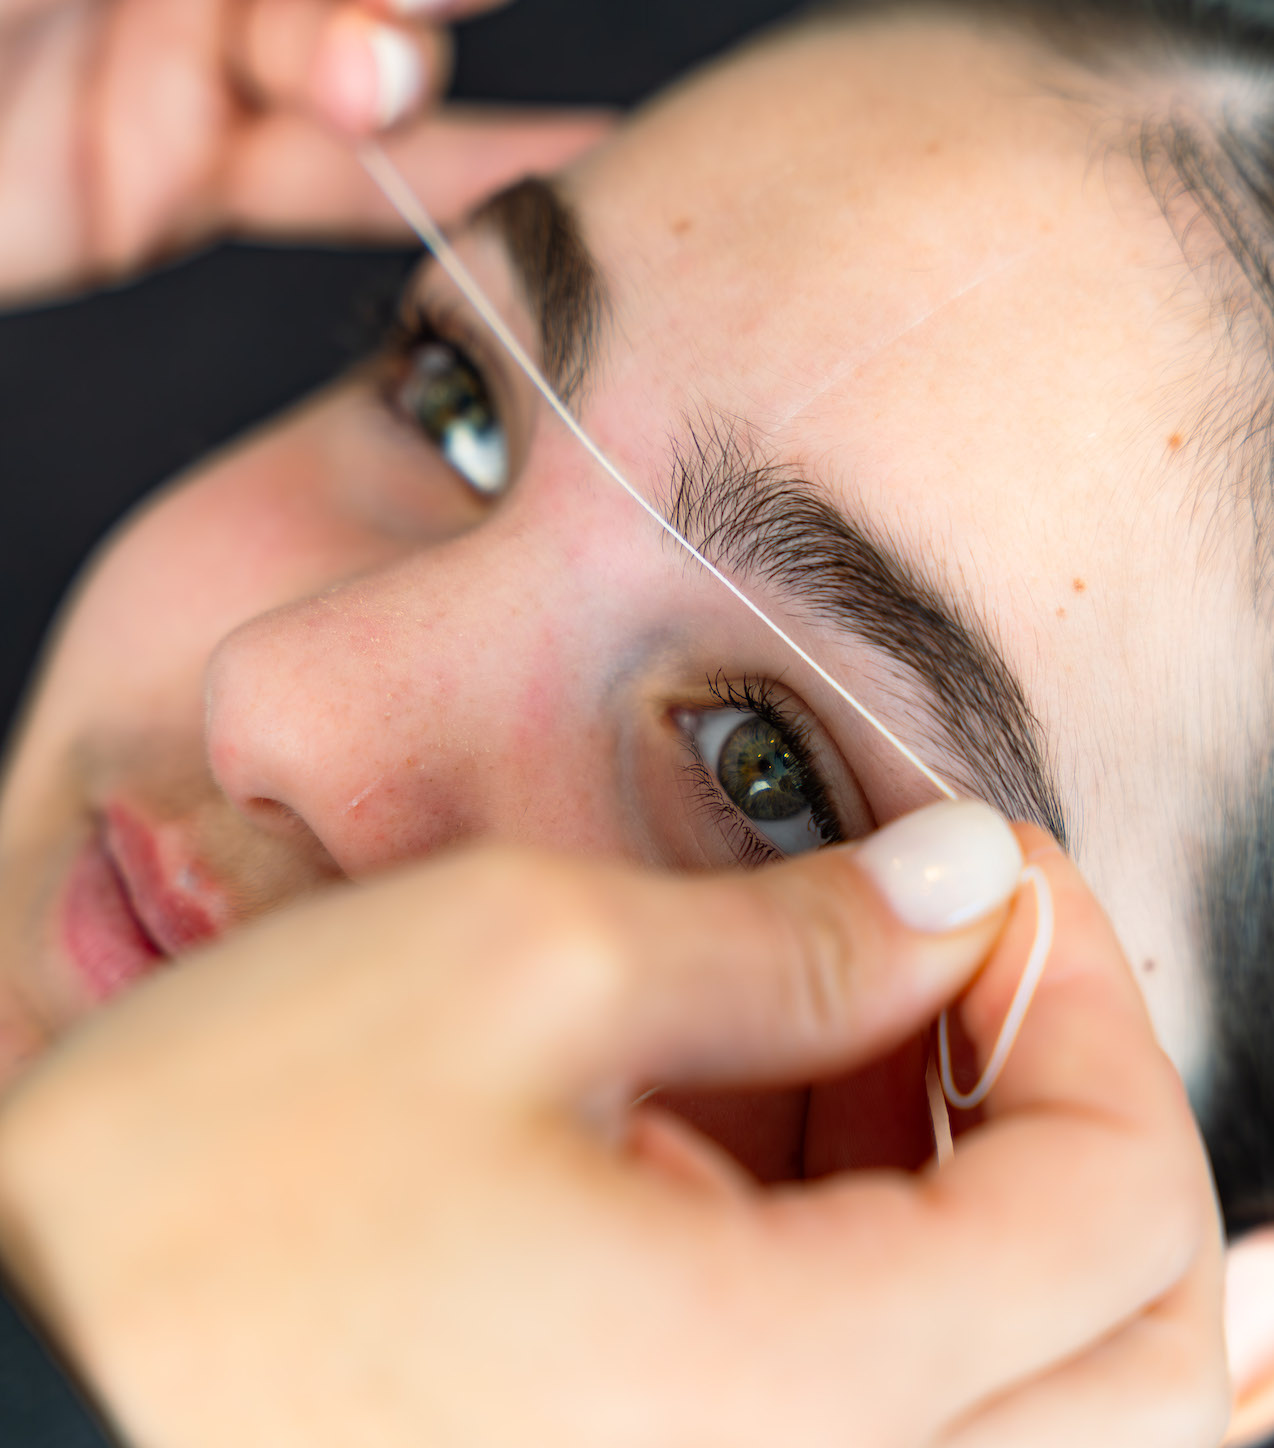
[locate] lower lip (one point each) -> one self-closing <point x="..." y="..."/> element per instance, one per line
<point x="100" y="931"/>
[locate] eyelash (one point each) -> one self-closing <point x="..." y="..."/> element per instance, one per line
<point x="415" y="326"/>
<point x="749" y="846"/>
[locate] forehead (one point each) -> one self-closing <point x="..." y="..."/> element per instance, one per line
<point x="831" y="192"/>
<point x="904" y="257"/>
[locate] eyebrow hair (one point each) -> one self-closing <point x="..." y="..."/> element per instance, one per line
<point x="563" y="287"/>
<point x="774" y="525"/>
<point x="745" y="513"/>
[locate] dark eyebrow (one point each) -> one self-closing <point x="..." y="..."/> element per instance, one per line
<point x="771" y="524"/>
<point x="774" y="525"/>
<point x="559" y="276"/>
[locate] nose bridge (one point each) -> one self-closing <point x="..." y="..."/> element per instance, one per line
<point x="409" y="708"/>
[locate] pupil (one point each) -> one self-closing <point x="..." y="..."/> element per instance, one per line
<point x="761" y="774"/>
<point x="444" y="393"/>
<point x="450" y="402"/>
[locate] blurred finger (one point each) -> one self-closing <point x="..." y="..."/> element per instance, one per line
<point x="358" y="72"/>
<point x="16" y="12"/>
<point x="294" y="177"/>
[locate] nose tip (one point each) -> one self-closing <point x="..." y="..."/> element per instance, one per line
<point x="374" y="729"/>
<point x="450" y="694"/>
<point x="251" y="746"/>
<point x="302" y="729"/>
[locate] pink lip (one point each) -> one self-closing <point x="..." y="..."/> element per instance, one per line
<point x="100" y="931"/>
<point x="172" y="915"/>
<point x="124" y="912"/>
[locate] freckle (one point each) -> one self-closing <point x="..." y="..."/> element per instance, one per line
<point x="1061" y="613"/>
<point x="1078" y="585"/>
<point x="1147" y="967"/>
<point x="1175" y="442"/>
<point x="934" y="148"/>
<point x="681" y="226"/>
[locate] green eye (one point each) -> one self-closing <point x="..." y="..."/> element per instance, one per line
<point x="445" y="396"/>
<point x="760" y="773"/>
<point x="760" y="765"/>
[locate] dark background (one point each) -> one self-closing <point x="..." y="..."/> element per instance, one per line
<point x="103" y="398"/>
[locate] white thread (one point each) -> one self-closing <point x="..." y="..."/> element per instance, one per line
<point x="404" y="200"/>
<point x="391" y="181"/>
<point x="1031" y="976"/>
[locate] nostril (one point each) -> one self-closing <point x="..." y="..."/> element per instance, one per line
<point x="281" y="822"/>
<point x="274" y="816"/>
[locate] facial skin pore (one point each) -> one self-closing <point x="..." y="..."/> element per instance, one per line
<point x="884" y="259"/>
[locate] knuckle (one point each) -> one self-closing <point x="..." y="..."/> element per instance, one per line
<point x="1176" y="1220"/>
<point x="1174" y="1185"/>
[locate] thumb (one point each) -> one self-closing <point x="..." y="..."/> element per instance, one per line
<point x="814" y="966"/>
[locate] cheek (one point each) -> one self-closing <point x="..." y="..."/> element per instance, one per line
<point x="249" y="533"/>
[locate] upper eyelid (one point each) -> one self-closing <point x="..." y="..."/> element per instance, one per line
<point x="432" y="291"/>
<point x="454" y="322"/>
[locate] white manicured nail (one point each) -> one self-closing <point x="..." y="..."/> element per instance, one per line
<point x="422" y="7"/>
<point x="400" y="75"/>
<point x="945" y="865"/>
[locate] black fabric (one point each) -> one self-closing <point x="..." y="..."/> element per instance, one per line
<point x="40" y="1404"/>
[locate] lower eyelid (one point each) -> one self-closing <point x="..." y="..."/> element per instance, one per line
<point x="748" y="846"/>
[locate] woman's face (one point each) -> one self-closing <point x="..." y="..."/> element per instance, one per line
<point x="874" y="279"/>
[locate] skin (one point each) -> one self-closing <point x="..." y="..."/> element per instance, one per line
<point x="319" y="705"/>
<point x="547" y="1266"/>
<point x="320" y="708"/>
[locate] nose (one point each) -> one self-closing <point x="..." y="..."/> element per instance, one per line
<point x="451" y="694"/>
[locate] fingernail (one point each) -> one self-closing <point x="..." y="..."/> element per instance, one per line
<point x="400" y="76"/>
<point x="367" y="75"/>
<point x="945" y="865"/>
